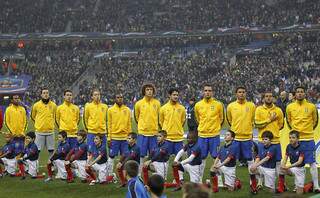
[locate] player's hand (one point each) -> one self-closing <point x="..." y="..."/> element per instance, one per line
<point x="253" y="168"/>
<point x="119" y="165"/>
<point x="273" y="116"/>
<point x="147" y="163"/>
<point x="176" y="163"/>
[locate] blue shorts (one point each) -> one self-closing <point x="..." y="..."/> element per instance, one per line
<point x="73" y="142"/>
<point x="117" y="146"/>
<point x="174" y="147"/>
<point x="309" y="151"/>
<point x="209" y="145"/>
<point x="244" y="149"/>
<point x="18" y="145"/>
<point x="146" y="144"/>
<point x="90" y="142"/>
<point x="278" y="150"/>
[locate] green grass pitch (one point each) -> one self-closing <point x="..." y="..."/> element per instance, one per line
<point x="16" y="188"/>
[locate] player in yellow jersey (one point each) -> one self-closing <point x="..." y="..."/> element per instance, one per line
<point x="68" y="117"/>
<point x="172" y="119"/>
<point x="95" y="119"/>
<point x="269" y="117"/>
<point x="119" y="127"/>
<point x="43" y="114"/>
<point x="240" y="116"/>
<point x="146" y="113"/>
<point x="302" y="116"/>
<point x="209" y="114"/>
<point x="16" y="123"/>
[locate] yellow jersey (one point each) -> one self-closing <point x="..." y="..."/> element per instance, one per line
<point x="210" y="116"/>
<point x="263" y="123"/>
<point x="240" y="117"/>
<point x="172" y="119"/>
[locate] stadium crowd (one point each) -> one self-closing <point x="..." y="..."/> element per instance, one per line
<point x="289" y="61"/>
<point x="185" y="63"/>
<point x="145" y="16"/>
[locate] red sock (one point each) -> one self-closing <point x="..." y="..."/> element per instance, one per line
<point x="90" y="173"/>
<point x="109" y="178"/>
<point x="121" y="176"/>
<point x="22" y="170"/>
<point x="176" y="175"/>
<point x="253" y="182"/>
<point x="49" y="167"/>
<point x="215" y="187"/>
<point x="145" y="175"/>
<point x="281" y="184"/>
<point x="69" y="172"/>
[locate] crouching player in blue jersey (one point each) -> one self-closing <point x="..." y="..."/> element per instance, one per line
<point x="29" y="161"/>
<point x="77" y="158"/>
<point x="58" y="158"/>
<point x="136" y="187"/>
<point x="7" y="156"/>
<point x="97" y="161"/>
<point x="132" y="153"/>
<point x="295" y="153"/>
<point x="225" y="164"/>
<point x="191" y="164"/>
<point x="265" y="164"/>
<point x="158" y="159"/>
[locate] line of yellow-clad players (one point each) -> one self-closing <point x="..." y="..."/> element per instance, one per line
<point x="160" y="135"/>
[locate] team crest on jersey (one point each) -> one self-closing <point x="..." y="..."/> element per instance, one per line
<point x="154" y="106"/>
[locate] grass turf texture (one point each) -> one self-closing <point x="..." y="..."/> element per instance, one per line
<point x="37" y="188"/>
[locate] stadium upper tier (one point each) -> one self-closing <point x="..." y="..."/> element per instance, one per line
<point x="144" y="15"/>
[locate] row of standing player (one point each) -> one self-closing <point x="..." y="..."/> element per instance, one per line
<point x="241" y="115"/>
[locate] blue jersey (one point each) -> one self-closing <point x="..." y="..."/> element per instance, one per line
<point x="8" y="148"/>
<point x="133" y="153"/>
<point x="61" y="152"/>
<point x="195" y="150"/>
<point x="31" y="152"/>
<point x="160" y="153"/>
<point x="101" y="150"/>
<point x="80" y="151"/>
<point x="136" y="189"/>
<point x="294" y="153"/>
<point x="271" y="152"/>
<point x="228" y="151"/>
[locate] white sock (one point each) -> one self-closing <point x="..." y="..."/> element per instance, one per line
<point x="314" y="174"/>
<point x="202" y="166"/>
<point x="250" y="163"/>
<point x="141" y="165"/>
<point x="110" y="166"/>
<point x="278" y="164"/>
<point x="249" y="166"/>
<point x="260" y="179"/>
<point x="180" y="175"/>
<point x="220" y="182"/>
